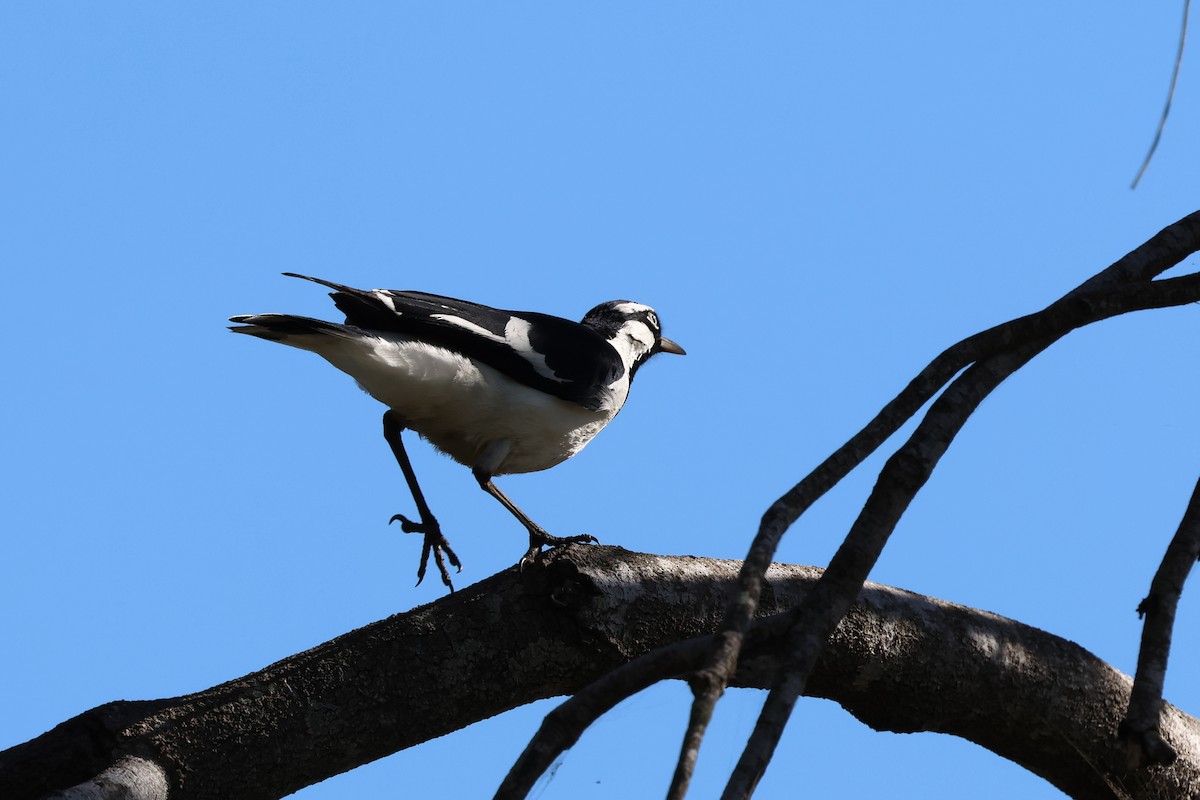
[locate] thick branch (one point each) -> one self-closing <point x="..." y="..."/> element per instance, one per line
<point x="898" y="662"/>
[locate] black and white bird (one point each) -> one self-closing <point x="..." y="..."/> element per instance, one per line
<point x="501" y="392"/>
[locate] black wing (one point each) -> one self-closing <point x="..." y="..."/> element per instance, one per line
<point x="551" y="354"/>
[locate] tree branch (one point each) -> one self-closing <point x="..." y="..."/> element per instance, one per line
<point x="817" y="617"/>
<point x="1139" y="729"/>
<point x="898" y="662"/>
<point x="1124" y="286"/>
<point x="1162" y="122"/>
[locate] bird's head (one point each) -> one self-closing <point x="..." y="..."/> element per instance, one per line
<point x="632" y="329"/>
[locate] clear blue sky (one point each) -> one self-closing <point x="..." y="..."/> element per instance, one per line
<point x="816" y="197"/>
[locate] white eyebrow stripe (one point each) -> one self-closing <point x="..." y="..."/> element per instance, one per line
<point x="637" y="329"/>
<point x="516" y="337"/>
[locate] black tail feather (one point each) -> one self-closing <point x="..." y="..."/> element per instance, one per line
<point x="280" y="327"/>
<point x="363" y="309"/>
<point x="340" y="287"/>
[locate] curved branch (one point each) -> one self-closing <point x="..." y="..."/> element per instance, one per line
<point x="898" y="662"/>
<point x="1124" y="286"/>
<point x="1162" y="122"/>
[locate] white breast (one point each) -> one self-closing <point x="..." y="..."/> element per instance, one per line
<point x="462" y="406"/>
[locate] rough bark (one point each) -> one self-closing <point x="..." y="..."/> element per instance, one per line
<point x="899" y="662"/>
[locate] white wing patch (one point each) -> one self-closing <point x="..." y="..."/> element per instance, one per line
<point x="516" y="334"/>
<point x="516" y="337"/>
<point x="468" y="325"/>
<point x="387" y="299"/>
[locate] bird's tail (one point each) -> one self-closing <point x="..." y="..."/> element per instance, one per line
<point x="303" y="332"/>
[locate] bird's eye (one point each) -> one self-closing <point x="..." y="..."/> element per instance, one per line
<point x="652" y="318"/>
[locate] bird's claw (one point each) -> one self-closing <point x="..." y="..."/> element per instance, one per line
<point x="441" y="552"/>
<point x="407" y="525"/>
<point x="434" y="543"/>
<point x="540" y="539"/>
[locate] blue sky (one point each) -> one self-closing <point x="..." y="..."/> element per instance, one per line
<point x="817" y="198"/>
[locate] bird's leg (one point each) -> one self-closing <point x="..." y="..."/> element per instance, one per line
<point x="393" y="426"/>
<point x="538" y="537"/>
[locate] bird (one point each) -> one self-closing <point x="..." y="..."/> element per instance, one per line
<point x="501" y="392"/>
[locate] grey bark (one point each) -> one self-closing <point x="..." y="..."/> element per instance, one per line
<point x="898" y="662"/>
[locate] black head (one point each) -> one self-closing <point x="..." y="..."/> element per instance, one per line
<point x="632" y="329"/>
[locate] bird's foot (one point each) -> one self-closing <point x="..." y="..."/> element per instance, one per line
<point x="539" y="539"/>
<point x="435" y="543"/>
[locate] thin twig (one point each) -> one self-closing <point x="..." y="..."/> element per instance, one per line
<point x="689" y="751"/>
<point x="1162" y="123"/>
<point x="1139" y="729"/>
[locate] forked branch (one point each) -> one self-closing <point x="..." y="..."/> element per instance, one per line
<point x="1122" y="287"/>
<point x="1127" y="285"/>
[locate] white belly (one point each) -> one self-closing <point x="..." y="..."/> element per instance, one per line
<point x="462" y="407"/>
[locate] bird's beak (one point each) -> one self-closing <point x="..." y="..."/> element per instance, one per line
<point x="667" y="346"/>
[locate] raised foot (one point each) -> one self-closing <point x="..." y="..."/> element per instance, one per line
<point x="539" y="539"/>
<point x="434" y="543"/>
